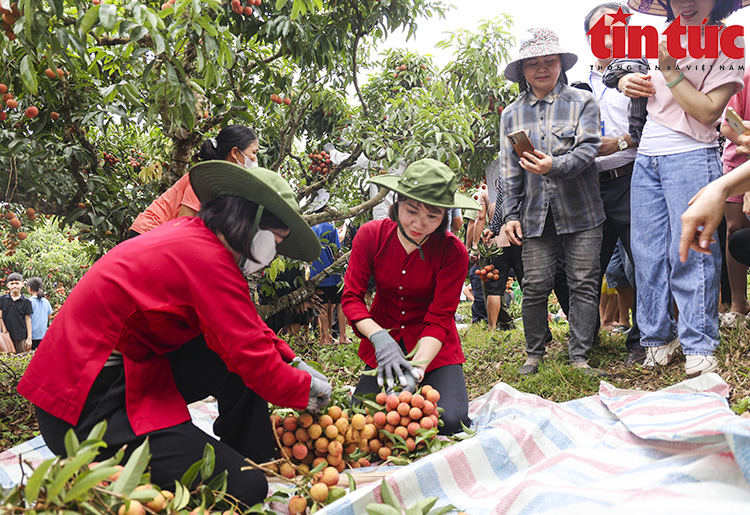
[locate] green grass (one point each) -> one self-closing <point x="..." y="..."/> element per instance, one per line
<point x="493" y="356"/>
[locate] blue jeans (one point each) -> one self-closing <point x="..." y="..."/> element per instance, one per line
<point x="581" y="250"/>
<point x="660" y="191"/>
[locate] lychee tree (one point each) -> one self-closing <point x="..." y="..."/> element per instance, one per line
<point x="184" y="67"/>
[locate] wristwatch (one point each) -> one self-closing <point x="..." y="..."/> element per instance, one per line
<point x="622" y="143"/>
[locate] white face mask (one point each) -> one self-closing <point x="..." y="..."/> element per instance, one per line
<point x="263" y="249"/>
<point x="248" y="163"/>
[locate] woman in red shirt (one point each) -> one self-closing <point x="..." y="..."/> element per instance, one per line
<point x="166" y="319"/>
<point x="234" y="143"/>
<point x="419" y="271"/>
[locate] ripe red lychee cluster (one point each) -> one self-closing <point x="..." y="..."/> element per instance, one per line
<point x="488" y="273"/>
<point x="246" y="10"/>
<point x="278" y="99"/>
<point x="321" y="162"/>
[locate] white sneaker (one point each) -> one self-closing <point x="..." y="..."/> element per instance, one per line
<point x="661" y="355"/>
<point x="696" y="364"/>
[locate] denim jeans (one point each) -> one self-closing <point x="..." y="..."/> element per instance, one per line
<point x="660" y="190"/>
<point x="581" y="251"/>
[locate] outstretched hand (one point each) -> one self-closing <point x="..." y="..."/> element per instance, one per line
<point x="701" y="219"/>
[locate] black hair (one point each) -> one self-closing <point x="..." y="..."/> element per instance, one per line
<point x="523" y="85"/>
<point x="233" y="217"/>
<point x="229" y="137"/>
<point x="721" y="10"/>
<point x="392" y="212"/>
<point x="35" y="284"/>
<point x="15" y="276"/>
<point x="601" y="7"/>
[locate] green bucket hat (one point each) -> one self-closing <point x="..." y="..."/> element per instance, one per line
<point x="212" y="179"/>
<point x="427" y="181"/>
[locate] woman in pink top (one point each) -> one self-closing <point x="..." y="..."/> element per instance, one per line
<point x="235" y="143"/>
<point x="736" y="219"/>
<point x="678" y="155"/>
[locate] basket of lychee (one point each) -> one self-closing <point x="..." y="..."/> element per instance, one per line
<point x="315" y="449"/>
<point x="321" y="162"/>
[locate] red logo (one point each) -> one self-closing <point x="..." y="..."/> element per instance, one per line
<point x="631" y="40"/>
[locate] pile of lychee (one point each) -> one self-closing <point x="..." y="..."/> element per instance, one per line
<point x="246" y="10"/>
<point x="321" y="162"/>
<point x="342" y="440"/>
<point x="488" y="273"/>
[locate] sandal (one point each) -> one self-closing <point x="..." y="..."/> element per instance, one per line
<point x="731" y="319"/>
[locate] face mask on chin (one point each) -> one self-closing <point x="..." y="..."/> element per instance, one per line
<point x="249" y="163"/>
<point x="263" y="250"/>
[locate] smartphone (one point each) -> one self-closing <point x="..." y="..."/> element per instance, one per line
<point x="520" y="142"/>
<point x="735" y="122"/>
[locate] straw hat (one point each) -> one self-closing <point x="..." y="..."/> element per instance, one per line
<point x="212" y="179"/>
<point x="657" y="7"/>
<point x="541" y="43"/>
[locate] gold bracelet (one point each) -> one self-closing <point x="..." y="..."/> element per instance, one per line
<point x="676" y="81"/>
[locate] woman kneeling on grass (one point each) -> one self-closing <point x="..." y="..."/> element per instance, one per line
<point x="166" y="319"/>
<point x="419" y="271"/>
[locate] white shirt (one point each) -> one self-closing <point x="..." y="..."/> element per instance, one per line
<point x="613" y="107"/>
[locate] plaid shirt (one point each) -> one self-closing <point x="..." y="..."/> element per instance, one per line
<point x="564" y="125"/>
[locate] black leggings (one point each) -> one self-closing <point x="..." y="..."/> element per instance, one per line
<point x="739" y="246"/>
<point x="450" y="382"/>
<point x="243" y="424"/>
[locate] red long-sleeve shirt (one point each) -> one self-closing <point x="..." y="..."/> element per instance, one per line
<point x="414" y="298"/>
<point x="145" y="298"/>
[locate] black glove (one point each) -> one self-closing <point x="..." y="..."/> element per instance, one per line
<point x="320" y="394"/>
<point x="391" y="361"/>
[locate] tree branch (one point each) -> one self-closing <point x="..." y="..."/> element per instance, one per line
<point x="301" y="294"/>
<point x="329" y="215"/>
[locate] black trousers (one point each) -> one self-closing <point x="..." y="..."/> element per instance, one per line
<point x="616" y="199"/>
<point x="450" y="382"/>
<point x="243" y="424"/>
<point x="739" y="246"/>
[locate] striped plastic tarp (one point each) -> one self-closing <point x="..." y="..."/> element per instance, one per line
<point x="679" y="450"/>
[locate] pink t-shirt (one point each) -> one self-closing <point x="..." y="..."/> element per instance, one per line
<point x="739" y="103"/>
<point x="167" y="206"/>
<point x="705" y="75"/>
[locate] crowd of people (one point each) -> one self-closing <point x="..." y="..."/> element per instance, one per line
<point x="166" y="318"/>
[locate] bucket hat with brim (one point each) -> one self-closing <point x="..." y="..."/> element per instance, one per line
<point x="657" y="7"/>
<point x="212" y="179"/>
<point x="542" y="42"/>
<point x="428" y="181"/>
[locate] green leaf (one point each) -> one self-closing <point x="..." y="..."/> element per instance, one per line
<point x="71" y="443"/>
<point x="209" y="460"/>
<point x="188" y="478"/>
<point x="352" y="483"/>
<point x="280" y="4"/>
<point x="181" y="496"/>
<point x="35" y="481"/>
<point x="87" y="481"/>
<point x="130" y="476"/>
<point x="97" y="433"/>
<point x="108" y="15"/>
<point x="382" y="509"/>
<point x="388" y="495"/>
<point x="88" y="20"/>
<point x="425" y="505"/>
<point x="69" y="469"/>
<point x="130" y="92"/>
<point x="28" y="75"/>
<point x="159" y="43"/>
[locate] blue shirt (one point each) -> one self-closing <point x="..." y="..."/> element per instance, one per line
<point x="40" y="317"/>
<point x="564" y="125"/>
<point x="327" y="234"/>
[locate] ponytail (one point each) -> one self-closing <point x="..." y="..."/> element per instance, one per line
<point x="231" y="136"/>
<point x="35" y="284"/>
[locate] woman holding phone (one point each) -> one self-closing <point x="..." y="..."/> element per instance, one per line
<point x="552" y="199"/>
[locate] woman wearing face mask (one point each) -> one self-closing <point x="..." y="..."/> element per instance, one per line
<point x="235" y="143"/>
<point x="166" y="319"/>
<point x="419" y="271"/>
